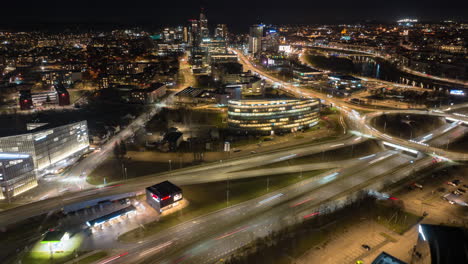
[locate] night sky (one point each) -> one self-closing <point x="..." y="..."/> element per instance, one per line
<point x="237" y="14"/>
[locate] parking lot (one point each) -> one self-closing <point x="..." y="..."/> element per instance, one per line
<point x="441" y="195"/>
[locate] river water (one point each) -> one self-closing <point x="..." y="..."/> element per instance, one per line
<point x="371" y="67"/>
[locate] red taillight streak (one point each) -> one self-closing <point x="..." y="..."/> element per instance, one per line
<point x="232" y="233"/>
<point x="312" y="214"/>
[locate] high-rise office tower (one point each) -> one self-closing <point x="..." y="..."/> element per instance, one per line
<point x="185" y="35"/>
<point x="194" y="33"/>
<point x="204" y="32"/>
<point x="255" y="39"/>
<point x="221" y="31"/>
<point x="271" y="40"/>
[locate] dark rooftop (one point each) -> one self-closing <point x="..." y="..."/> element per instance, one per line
<point x="7" y="132"/>
<point x="164" y="188"/>
<point x="53" y="236"/>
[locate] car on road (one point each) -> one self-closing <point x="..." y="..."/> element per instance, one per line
<point x="253" y="152"/>
<point x="366" y="247"/>
<point x="465" y="185"/>
<point x="461" y="190"/>
<point x="237" y="150"/>
<point x="457" y="193"/>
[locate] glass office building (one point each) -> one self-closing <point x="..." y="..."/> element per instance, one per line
<point x="272" y="116"/>
<point x="48" y="144"/>
<point x="16" y="174"/>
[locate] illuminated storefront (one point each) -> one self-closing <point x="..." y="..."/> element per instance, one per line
<point x="163" y="195"/>
<point x="271" y="116"/>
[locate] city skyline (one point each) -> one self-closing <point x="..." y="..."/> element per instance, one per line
<point x="238" y="132"/>
<point x="146" y="13"/>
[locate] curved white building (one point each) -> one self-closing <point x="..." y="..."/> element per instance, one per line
<point x="267" y="116"/>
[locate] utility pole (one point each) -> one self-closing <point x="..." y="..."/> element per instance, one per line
<point x="227" y="192"/>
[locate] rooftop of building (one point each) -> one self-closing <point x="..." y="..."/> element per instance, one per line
<point x="304" y="69"/>
<point x="14" y="131"/>
<point x="230" y="67"/>
<point x="269" y="101"/>
<point x="110" y="216"/>
<point x="172" y="136"/>
<point x="152" y="88"/>
<point x="190" y="92"/>
<point x="344" y="77"/>
<point x="53" y="236"/>
<point x="164" y="188"/>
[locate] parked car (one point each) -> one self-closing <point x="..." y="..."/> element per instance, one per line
<point x="461" y="190"/>
<point x="453" y="183"/>
<point x="366" y="247"/>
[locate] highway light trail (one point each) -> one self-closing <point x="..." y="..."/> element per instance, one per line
<point x="287" y="157"/>
<point x="303" y="202"/>
<point x="381" y="158"/>
<point x="328" y="178"/>
<point x="113" y="258"/>
<point x="232" y="233"/>
<point x="310" y="215"/>
<point x="337" y="145"/>
<point x="156" y="248"/>
<point x="270" y="198"/>
<point x="181" y="259"/>
<point x="366" y="157"/>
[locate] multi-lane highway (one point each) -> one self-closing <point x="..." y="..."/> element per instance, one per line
<point x="213" y="236"/>
<point x="198" y="174"/>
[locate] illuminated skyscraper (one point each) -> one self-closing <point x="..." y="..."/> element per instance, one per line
<point x="255" y="39"/>
<point x="194" y="32"/>
<point x="221" y="31"/>
<point x="204" y="32"/>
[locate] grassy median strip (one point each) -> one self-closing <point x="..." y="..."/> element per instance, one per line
<point x="209" y="197"/>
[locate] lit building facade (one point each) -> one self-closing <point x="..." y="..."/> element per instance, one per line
<point x="204" y="31"/>
<point x="345" y="82"/>
<point x="255" y="39"/>
<point x="16" y="174"/>
<point x="272" y="116"/>
<point x="47" y="144"/>
<point x="163" y="195"/>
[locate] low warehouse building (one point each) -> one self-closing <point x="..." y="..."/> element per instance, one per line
<point x="108" y="217"/>
<point x="163" y="195"/>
